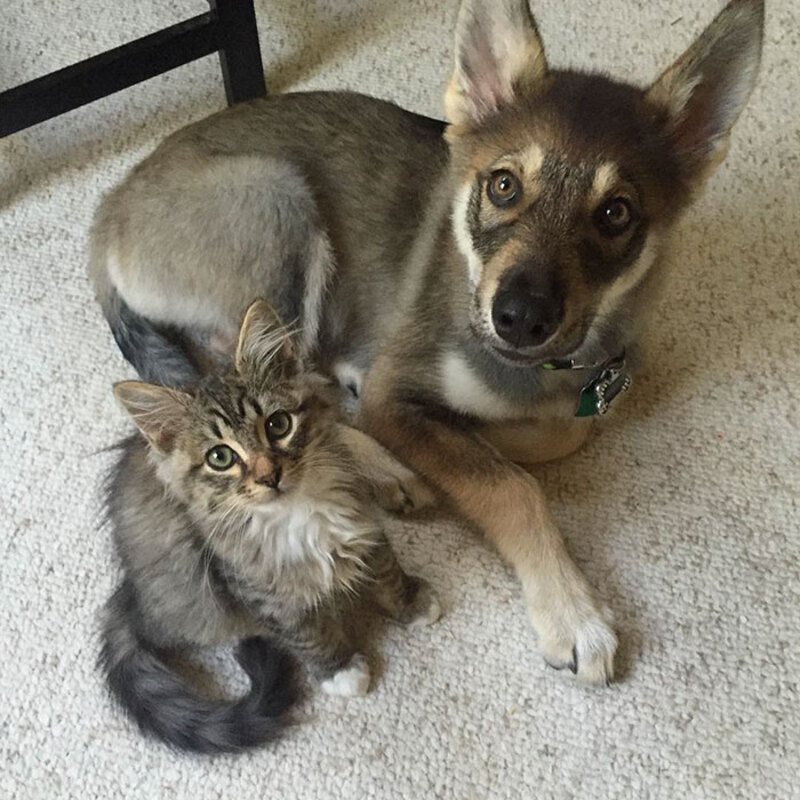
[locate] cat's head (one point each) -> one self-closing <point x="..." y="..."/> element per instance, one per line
<point x="238" y="441"/>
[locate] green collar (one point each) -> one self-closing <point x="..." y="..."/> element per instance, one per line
<point x="611" y="378"/>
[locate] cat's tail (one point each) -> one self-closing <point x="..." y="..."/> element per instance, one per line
<point x="165" y="706"/>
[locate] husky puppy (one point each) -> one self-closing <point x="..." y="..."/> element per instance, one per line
<point x="480" y="284"/>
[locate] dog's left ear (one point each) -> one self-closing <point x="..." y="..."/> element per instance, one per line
<point x="705" y="90"/>
<point x="498" y="53"/>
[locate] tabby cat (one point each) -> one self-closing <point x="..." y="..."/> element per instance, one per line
<point x="247" y="513"/>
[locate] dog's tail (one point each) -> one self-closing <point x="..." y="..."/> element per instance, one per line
<point x="166" y="707"/>
<point x="158" y="353"/>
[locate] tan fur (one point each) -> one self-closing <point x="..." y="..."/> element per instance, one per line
<point x="508" y="505"/>
<point x="529" y="443"/>
<point x="531" y="160"/>
<point x="605" y="179"/>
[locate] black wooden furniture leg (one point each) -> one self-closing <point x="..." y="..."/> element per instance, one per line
<point x="239" y="53"/>
<point x="229" y="27"/>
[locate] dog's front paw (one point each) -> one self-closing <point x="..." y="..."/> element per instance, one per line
<point x="424" y="609"/>
<point x="578" y="636"/>
<point x="352" y="680"/>
<point x="406" y="494"/>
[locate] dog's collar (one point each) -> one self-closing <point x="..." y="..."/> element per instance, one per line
<point x="610" y="379"/>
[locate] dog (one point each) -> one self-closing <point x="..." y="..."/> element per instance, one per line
<point x="480" y="285"/>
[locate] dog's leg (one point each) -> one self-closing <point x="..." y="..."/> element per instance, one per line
<point x="397" y="488"/>
<point x="530" y="443"/>
<point x="509" y="506"/>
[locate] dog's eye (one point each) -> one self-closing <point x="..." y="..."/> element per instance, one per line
<point x="503" y="188"/>
<point x="220" y="458"/>
<point x="614" y="216"/>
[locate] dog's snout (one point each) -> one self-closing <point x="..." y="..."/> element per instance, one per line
<point x="525" y="315"/>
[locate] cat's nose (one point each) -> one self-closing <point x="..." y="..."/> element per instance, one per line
<point x="271" y="479"/>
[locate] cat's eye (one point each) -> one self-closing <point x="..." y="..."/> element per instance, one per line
<point x="220" y="458"/>
<point x="614" y="216"/>
<point x="503" y="188"/>
<point x="278" y="425"/>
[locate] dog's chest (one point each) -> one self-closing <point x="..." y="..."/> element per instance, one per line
<point x="475" y="386"/>
<point x="465" y="391"/>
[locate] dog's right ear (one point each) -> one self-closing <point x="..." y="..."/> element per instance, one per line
<point x="158" y="412"/>
<point x="265" y="344"/>
<point x="498" y="53"/>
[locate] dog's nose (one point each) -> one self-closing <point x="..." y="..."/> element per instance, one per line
<point x="524" y="317"/>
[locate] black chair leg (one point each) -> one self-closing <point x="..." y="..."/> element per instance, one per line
<point x="229" y="28"/>
<point x="239" y="53"/>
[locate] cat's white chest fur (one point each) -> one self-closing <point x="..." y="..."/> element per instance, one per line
<point x="303" y="532"/>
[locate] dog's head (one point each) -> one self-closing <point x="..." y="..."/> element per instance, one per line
<point x="568" y="183"/>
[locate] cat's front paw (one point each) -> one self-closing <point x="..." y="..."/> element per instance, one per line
<point x="352" y="680"/>
<point x="405" y="495"/>
<point x="424" y="609"/>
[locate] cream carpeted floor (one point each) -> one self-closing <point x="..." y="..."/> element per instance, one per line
<point x="683" y="511"/>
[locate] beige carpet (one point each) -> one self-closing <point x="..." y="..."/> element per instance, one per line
<point x="683" y="511"/>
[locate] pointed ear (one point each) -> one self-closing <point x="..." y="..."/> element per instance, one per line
<point x="498" y="53"/>
<point x="705" y="90"/>
<point x="157" y="411"/>
<point x="264" y="341"/>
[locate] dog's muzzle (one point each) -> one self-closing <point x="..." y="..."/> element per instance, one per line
<point x="526" y="311"/>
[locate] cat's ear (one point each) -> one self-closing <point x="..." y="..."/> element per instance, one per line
<point x="158" y="412"/>
<point x="498" y="53"/>
<point x="265" y="343"/>
<point x="705" y="90"/>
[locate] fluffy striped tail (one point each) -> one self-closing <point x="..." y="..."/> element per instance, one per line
<point x="166" y="707"/>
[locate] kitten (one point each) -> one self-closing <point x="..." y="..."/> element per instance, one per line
<point x="246" y="512"/>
